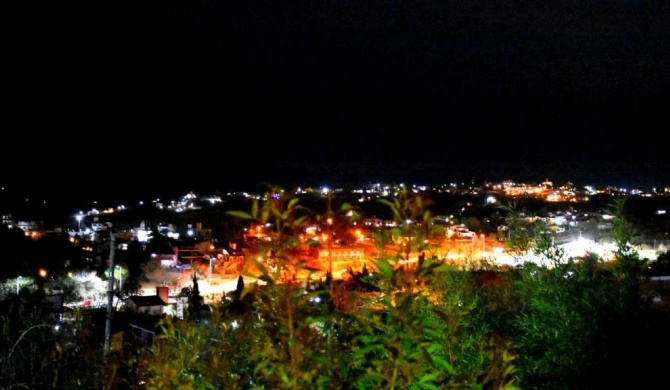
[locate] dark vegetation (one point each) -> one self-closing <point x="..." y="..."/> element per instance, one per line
<point x="581" y="323"/>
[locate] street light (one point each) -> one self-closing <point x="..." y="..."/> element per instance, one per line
<point x="18" y="279"/>
<point x="79" y="217"/>
<point x="211" y="258"/>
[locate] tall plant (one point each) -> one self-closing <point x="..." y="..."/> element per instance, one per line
<point x="423" y="335"/>
<point x="294" y="349"/>
<point x="38" y="351"/>
<point x="576" y="315"/>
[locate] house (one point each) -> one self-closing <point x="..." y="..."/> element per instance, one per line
<point x="145" y="304"/>
<point x="143" y="313"/>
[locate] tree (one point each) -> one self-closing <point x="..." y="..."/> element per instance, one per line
<point x="196" y="303"/>
<point x="424" y="325"/>
<point x="134" y="259"/>
<point x="629" y="263"/>
<point x="519" y="234"/>
<point x="20" y="249"/>
<point x="661" y="266"/>
<point x="575" y="319"/>
<point x="239" y="289"/>
<point x="38" y="352"/>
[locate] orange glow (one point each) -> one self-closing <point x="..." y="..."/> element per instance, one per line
<point x="43" y="272"/>
<point x="32" y="234"/>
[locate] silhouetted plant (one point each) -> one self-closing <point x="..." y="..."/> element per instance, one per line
<point x="575" y="317"/>
<point x="196" y="303"/>
<point x="38" y="351"/>
<point x="661" y="266"/>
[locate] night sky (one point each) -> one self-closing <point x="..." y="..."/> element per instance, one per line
<point x="132" y="98"/>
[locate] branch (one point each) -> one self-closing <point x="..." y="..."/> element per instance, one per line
<point x="21" y="337"/>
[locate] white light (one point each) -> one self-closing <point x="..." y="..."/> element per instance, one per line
<point x="79" y="218"/>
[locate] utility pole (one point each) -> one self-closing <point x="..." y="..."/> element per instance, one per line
<point x="330" y="247"/>
<point x="210" y="270"/>
<point x="110" y="292"/>
<point x="329" y="221"/>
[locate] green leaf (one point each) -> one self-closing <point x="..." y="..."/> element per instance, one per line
<point x="292" y="202"/>
<point x="254" y="209"/>
<point x="426" y="380"/>
<point x="385" y="268"/>
<point x="443" y="363"/>
<point x="239" y="214"/>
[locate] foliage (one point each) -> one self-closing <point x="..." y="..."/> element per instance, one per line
<point x="190" y="355"/>
<point x="81" y="285"/>
<point x="520" y="233"/>
<point x="562" y="323"/>
<point x="629" y="264"/>
<point x="575" y="318"/>
<point x="39" y="351"/>
<point x="425" y="334"/>
<point x="197" y="308"/>
<point x="661" y="266"/>
<point x="421" y="332"/>
<point x="557" y="324"/>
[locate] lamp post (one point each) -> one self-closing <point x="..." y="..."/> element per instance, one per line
<point x="18" y="279"/>
<point x="110" y="293"/>
<point x="210" y="269"/>
<point x="330" y="247"/>
<point x="79" y="217"/>
<point x="483" y="244"/>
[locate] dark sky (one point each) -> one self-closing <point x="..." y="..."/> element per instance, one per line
<point x="121" y="98"/>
